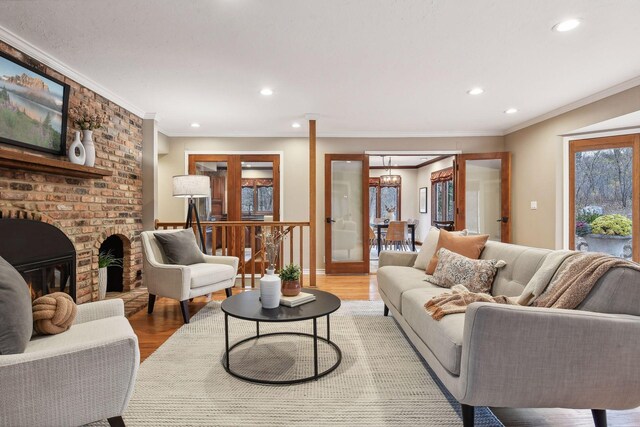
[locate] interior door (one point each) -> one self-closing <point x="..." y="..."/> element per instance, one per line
<point x="483" y="194"/>
<point x="346" y="204"/>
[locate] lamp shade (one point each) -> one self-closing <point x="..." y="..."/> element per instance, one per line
<point x="196" y="186"/>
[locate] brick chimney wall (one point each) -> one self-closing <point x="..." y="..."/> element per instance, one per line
<point x="87" y="210"/>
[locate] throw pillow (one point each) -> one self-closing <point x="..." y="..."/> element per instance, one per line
<point x="474" y="274"/>
<point x="469" y="246"/>
<point x="53" y="313"/>
<point x="15" y="310"/>
<point x="180" y="247"/>
<point x="428" y="248"/>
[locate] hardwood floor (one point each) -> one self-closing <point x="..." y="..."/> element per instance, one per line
<point x="155" y="329"/>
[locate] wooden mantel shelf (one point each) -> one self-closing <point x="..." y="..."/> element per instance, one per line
<point x="32" y="162"/>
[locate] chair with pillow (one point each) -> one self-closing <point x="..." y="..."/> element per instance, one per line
<point x="174" y="267"/>
<point x="83" y="373"/>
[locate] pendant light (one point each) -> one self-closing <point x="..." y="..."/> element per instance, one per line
<point x="389" y="179"/>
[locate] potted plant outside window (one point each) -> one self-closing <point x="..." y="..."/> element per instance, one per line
<point x="290" y="276"/>
<point x="609" y="234"/>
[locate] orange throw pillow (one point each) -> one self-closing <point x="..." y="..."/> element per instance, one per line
<point x="469" y="246"/>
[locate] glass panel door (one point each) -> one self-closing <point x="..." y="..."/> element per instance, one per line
<point x="346" y="206"/>
<point x="483" y="194"/>
<point x="603" y="213"/>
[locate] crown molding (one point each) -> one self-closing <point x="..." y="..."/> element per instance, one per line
<point x="355" y="134"/>
<point x="621" y="87"/>
<point x="38" y="54"/>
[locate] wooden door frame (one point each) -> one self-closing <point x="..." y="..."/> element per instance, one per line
<point x="361" y="267"/>
<point x="604" y="143"/>
<point x="505" y="189"/>
<point x="234" y="178"/>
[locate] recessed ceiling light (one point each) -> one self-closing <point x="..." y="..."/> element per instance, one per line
<point x="195" y="125"/>
<point x="568" y="25"/>
<point x="266" y="91"/>
<point x="511" y="111"/>
<point x="295" y="125"/>
<point x="475" y="91"/>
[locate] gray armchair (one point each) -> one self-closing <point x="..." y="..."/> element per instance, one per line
<point x="184" y="282"/>
<point x="83" y="375"/>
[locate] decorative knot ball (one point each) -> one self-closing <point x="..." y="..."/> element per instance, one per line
<point x="53" y="313"/>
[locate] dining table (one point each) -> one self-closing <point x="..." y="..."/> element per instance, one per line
<point x="381" y="224"/>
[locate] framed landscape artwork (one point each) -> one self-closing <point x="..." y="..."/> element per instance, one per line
<point x="33" y="108"/>
<point x="423" y="199"/>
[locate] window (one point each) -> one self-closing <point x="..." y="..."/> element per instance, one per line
<point x="604" y="208"/>
<point x="384" y="200"/>
<point x="257" y="196"/>
<point x="442" y="202"/>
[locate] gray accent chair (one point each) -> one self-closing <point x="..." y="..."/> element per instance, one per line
<point x="83" y="375"/>
<point x="184" y="282"/>
<point x="524" y="357"/>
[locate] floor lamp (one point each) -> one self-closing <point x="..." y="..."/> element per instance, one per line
<point x="192" y="187"/>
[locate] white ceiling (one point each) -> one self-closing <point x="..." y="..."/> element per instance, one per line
<point x="365" y="67"/>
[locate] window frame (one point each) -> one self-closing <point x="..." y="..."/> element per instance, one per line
<point x="375" y="182"/>
<point x="254" y="183"/>
<point x="444" y="199"/>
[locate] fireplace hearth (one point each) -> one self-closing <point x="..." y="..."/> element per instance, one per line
<point x="42" y="253"/>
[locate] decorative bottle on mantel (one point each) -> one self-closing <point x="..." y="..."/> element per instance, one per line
<point x="89" y="148"/>
<point x="77" y="154"/>
<point x="88" y="121"/>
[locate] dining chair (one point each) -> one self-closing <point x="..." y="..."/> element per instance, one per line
<point x="396" y="235"/>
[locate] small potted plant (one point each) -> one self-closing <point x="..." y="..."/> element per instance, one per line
<point x="290" y="276"/>
<point x="105" y="260"/>
<point x="609" y="234"/>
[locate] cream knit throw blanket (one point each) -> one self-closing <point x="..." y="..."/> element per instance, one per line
<point x="568" y="289"/>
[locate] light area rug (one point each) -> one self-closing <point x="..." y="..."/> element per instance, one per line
<point x="382" y="380"/>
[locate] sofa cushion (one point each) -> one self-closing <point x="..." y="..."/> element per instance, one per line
<point x="393" y="280"/>
<point x="469" y="246"/>
<point x="474" y="274"/>
<point x="617" y="292"/>
<point x="443" y="337"/>
<point x="428" y="248"/>
<point x="522" y="263"/>
<point x="180" y="247"/>
<point x="15" y="310"/>
<point x="204" y="274"/>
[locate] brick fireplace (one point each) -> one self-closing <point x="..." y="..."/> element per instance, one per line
<point x="88" y="211"/>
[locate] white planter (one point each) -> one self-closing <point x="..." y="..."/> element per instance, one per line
<point x="77" y="154"/>
<point x="271" y="271"/>
<point x="102" y="283"/>
<point x="89" y="148"/>
<point x="270" y="291"/>
<point x="612" y="245"/>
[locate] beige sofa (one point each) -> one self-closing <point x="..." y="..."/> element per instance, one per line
<point x="524" y="357"/>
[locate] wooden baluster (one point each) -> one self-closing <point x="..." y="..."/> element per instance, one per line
<point x="224" y="240"/>
<point x="281" y="256"/>
<point x="252" y="236"/>
<point x="204" y="233"/>
<point x="242" y="253"/>
<point x="214" y="239"/>
<point x="291" y="244"/>
<point x="301" y="255"/>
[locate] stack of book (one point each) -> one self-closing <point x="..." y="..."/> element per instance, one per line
<point x="301" y="298"/>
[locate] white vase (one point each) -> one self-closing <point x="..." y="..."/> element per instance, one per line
<point x="77" y="154"/>
<point x="89" y="148"/>
<point x="102" y="282"/>
<point x="271" y="271"/>
<point x="270" y="291"/>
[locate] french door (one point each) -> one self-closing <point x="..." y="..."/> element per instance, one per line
<point x="604" y="180"/>
<point x="483" y="194"/>
<point x="346" y="204"/>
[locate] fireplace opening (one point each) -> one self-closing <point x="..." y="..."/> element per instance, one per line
<point x="115" y="273"/>
<point x="42" y="253"/>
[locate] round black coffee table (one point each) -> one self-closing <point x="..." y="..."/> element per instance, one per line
<point x="247" y="306"/>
